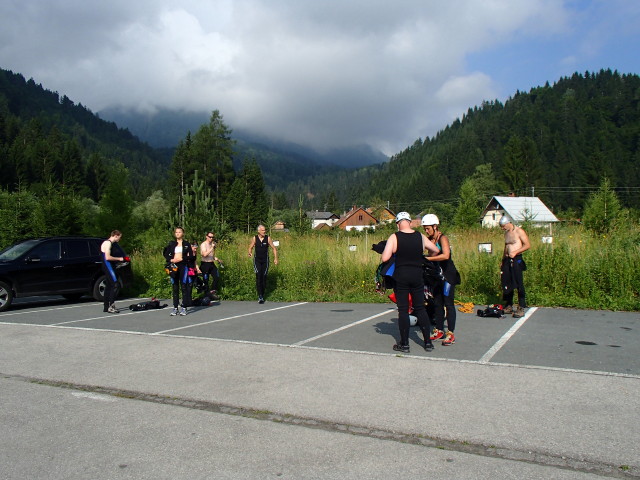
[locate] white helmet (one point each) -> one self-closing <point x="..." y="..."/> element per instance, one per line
<point x="430" y="219"/>
<point x="504" y="220"/>
<point x="403" y="216"/>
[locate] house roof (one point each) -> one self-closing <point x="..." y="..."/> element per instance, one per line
<point x="352" y="212"/>
<point x="523" y="208"/>
<point x="321" y="215"/>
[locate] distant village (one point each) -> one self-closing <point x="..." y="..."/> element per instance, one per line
<point x="519" y="209"/>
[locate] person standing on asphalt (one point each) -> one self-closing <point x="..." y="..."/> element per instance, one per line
<point x="109" y="269"/>
<point x="516" y="241"/>
<point x="261" y="242"/>
<point x="208" y="263"/>
<point x="178" y="254"/>
<point x="442" y="294"/>
<point x="408" y="247"/>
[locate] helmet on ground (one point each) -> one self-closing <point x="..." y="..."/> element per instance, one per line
<point x="504" y="220"/>
<point x="430" y="219"/>
<point x="403" y="216"/>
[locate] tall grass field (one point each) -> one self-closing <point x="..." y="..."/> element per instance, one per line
<point x="577" y="269"/>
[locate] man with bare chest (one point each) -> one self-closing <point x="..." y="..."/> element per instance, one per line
<point x="516" y="241"/>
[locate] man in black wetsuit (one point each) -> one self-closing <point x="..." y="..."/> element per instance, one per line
<point x="261" y="242"/>
<point x="109" y="269"/>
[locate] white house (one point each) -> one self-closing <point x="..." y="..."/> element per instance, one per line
<point x="519" y="209"/>
<point x="322" y="218"/>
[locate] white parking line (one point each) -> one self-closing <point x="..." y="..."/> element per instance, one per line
<point x="387" y="312"/>
<point x="8" y="314"/>
<point x="505" y="338"/>
<point x="228" y="318"/>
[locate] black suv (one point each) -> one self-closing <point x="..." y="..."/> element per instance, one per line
<point x="67" y="266"/>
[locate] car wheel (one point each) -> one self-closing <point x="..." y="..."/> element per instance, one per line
<point x="6" y="296"/>
<point x="101" y="285"/>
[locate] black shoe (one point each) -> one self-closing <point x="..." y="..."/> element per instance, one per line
<point x="261" y="300"/>
<point x="401" y="348"/>
<point x="429" y="346"/>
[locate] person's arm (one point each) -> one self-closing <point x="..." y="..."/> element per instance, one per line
<point x="252" y="244"/>
<point x="390" y="248"/>
<point x="275" y="252"/>
<point x="106" y="249"/>
<point x="428" y="245"/>
<point x="446" y="250"/>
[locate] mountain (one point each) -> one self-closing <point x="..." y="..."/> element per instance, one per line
<point x="558" y="141"/>
<point x="44" y="120"/>
<point x="164" y="128"/>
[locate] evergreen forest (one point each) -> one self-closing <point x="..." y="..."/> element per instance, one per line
<point x="66" y="171"/>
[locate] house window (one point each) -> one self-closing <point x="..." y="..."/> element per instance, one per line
<point x="360" y="217"/>
<point x="494" y="216"/>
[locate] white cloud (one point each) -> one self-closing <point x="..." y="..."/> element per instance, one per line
<point x="326" y="73"/>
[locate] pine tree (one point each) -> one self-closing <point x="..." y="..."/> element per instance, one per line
<point x="601" y="209"/>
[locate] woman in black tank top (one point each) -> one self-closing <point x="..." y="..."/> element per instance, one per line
<point x="408" y="246"/>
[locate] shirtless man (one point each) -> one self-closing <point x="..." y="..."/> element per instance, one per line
<point x="516" y="241"/>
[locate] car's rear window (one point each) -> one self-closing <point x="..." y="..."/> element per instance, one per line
<point x="77" y="248"/>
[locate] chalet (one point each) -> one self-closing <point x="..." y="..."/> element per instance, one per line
<point x="384" y="215"/>
<point x="279" y="226"/>
<point x="322" y="218"/>
<point x="519" y="209"/>
<point x="357" y="219"/>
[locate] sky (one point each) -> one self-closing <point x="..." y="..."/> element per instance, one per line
<point x="322" y="73"/>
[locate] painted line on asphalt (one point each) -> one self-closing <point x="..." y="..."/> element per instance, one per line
<point x="24" y="312"/>
<point x="331" y="332"/>
<point x="228" y="318"/>
<point x="507" y="336"/>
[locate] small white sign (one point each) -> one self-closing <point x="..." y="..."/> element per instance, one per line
<point x="352" y="248"/>
<point x="276" y="243"/>
<point x="485" y="247"/>
<point x="547" y="239"/>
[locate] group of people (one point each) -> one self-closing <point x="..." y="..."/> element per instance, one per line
<point x="182" y="258"/>
<point x="406" y="246"/>
<point x="407" y="249"/>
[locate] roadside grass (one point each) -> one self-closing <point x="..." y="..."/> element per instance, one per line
<point x="578" y="269"/>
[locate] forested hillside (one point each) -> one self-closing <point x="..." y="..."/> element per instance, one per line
<point x="46" y="138"/>
<point x="557" y="142"/>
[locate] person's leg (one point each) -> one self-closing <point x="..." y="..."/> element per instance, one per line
<point x="109" y="292"/>
<point x="205" y="268"/>
<point x="450" y="338"/>
<point x="175" y="291"/>
<point x="185" y="286"/>
<point x="422" y="316"/>
<point x="449" y="306"/>
<point x="402" y="301"/>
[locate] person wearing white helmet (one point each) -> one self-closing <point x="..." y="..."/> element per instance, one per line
<point x="516" y="241"/>
<point x="408" y="246"/>
<point x="443" y="294"/>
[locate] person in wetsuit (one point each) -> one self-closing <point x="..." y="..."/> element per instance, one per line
<point x="408" y="246"/>
<point x="109" y="269"/>
<point x="179" y="255"/>
<point x="261" y="242"/>
<point x="516" y="241"/>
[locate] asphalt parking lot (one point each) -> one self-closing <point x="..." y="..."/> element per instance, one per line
<point x="595" y="341"/>
<point x="314" y="390"/>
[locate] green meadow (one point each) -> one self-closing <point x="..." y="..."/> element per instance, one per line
<point x="577" y="269"/>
